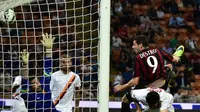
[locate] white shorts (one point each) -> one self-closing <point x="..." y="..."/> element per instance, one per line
<point x="19" y="105"/>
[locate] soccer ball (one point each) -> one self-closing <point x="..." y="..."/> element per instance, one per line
<point x="8" y="16"/>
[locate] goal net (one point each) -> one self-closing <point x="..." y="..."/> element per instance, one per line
<point x="74" y="24"/>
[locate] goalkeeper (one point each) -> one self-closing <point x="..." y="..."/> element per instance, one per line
<point x="38" y="96"/>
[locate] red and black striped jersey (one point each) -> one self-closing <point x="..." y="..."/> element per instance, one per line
<point x="150" y="65"/>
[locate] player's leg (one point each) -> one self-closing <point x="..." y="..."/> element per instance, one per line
<point x="164" y="83"/>
<point x="125" y="106"/>
<point x="159" y="83"/>
<point x="168" y="78"/>
<point x="179" y="51"/>
<point x="171" y="77"/>
<point x="126" y="100"/>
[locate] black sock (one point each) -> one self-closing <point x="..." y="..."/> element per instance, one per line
<point x="125" y="107"/>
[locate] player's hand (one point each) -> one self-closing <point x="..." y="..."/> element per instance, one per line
<point x="117" y="88"/>
<point x="47" y="40"/>
<point x="169" y="66"/>
<point x="24" y="56"/>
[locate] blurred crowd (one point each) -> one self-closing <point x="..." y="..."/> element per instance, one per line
<point x="166" y="24"/>
<point x="65" y="21"/>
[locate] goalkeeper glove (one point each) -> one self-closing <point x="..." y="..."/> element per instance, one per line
<point x="25" y="57"/>
<point x="47" y="41"/>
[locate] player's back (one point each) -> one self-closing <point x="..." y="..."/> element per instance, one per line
<point x="165" y="98"/>
<point x="150" y="65"/>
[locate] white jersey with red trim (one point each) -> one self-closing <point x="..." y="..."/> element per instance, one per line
<point x="165" y="98"/>
<point x="57" y="83"/>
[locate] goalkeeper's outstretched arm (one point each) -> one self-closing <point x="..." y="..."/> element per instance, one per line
<point x="24" y="64"/>
<point x="16" y="86"/>
<point x="47" y="42"/>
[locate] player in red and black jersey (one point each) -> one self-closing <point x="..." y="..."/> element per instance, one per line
<point x="149" y="65"/>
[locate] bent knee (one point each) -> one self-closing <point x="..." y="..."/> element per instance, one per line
<point x="124" y="99"/>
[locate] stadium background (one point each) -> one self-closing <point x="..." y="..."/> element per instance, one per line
<point x="127" y="20"/>
<point x="167" y="24"/>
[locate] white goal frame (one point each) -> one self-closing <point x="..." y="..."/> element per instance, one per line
<point x="104" y="59"/>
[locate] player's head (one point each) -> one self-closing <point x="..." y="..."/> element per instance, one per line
<point x="35" y="84"/>
<point x="66" y="62"/>
<point x="140" y="42"/>
<point x="153" y="100"/>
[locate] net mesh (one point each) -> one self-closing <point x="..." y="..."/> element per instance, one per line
<point x="74" y="24"/>
<point x="7" y="4"/>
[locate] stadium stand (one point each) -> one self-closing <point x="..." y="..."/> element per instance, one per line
<point x="186" y="31"/>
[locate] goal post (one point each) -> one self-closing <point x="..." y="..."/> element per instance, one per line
<point x="104" y="60"/>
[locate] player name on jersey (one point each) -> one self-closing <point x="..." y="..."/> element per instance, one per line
<point x="147" y="53"/>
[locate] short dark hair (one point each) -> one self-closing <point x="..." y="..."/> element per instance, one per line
<point x="153" y="98"/>
<point x="66" y="56"/>
<point x="141" y="39"/>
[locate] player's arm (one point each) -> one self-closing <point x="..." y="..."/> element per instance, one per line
<point x="78" y="85"/>
<point x="132" y="82"/>
<point x="78" y="91"/>
<point x="24" y="65"/>
<point x="47" y="42"/>
<point x="52" y="82"/>
<point x="52" y="85"/>
<point x="16" y="85"/>
<point x="78" y="81"/>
